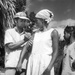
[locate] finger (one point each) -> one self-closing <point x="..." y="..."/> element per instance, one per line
<point x="30" y="42"/>
<point x="20" y="70"/>
<point x="28" y="34"/>
<point x="17" y="69"/>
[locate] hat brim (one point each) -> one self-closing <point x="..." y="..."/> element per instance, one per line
<point x="21" y="18"/>
<point x="24" y="18"/>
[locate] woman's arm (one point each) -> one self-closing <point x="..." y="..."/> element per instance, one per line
<point x="23" y="52"/>
<point x="55" y="41"/>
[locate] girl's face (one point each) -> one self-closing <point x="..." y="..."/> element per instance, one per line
<point x="39" y="23"/>
<point x="66" y="35"/>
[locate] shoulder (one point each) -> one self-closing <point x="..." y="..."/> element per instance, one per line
<point x="9" y="30"/>
<point x="72" y="45"/>
<point x="54" y="32"/>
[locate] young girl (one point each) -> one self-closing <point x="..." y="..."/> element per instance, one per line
<point x="44" y="48"/>
<point x="69" y="51"/>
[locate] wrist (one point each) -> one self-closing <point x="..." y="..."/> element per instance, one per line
<point x="49" y="67"/>
<point x="26" y="39"/>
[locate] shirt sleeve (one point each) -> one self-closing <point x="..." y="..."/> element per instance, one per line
<point x="8" y="37"/>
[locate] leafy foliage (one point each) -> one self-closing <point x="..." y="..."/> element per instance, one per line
<point x="32" y="17"/>
<point x="9" y="8"/>
<point x="20" y="5"/>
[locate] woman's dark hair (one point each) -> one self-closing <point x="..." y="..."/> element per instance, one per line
<point x="73" y="65"/>
<point x="46" y="24"/>
<point x="71" y="31"/>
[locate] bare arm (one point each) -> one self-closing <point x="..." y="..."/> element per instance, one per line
<point x="55" y="41"/>
<point x="14" y="46"/>
<point x="23" y="52"/>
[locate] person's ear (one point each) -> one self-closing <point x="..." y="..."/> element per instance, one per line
<point x="15" y="21"/>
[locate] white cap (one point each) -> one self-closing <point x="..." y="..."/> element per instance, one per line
<point x="21" y="15"/>
<point x="45" y="14"/>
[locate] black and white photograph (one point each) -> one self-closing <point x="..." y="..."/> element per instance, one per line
<point x="37" y="37"/>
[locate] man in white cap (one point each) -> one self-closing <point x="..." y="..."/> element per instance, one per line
<point x="14" y="42"/>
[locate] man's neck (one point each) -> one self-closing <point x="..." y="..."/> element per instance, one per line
<point x="19" y="30"/>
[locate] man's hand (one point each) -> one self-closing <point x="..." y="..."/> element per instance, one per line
<point x="47" y="71"/>
<point x="30" y="41"/>
<point x="27" y="36"/>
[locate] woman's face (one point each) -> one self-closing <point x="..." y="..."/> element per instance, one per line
<point x="66" y="35"/>
<point x="39" y="22"/>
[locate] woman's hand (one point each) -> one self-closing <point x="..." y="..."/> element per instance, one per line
<point x="47" y="71"/>
<point x="19" y="67"/>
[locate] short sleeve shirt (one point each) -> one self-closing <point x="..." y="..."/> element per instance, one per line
<point x="12" y="57"/>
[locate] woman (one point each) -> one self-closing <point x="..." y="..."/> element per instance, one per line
<point x="69" y="52"/>
<point x="45" y="46"/>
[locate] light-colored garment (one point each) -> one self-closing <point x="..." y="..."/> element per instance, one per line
<point x="12" y="57"/>
<point x="65" y="65"/>
<point x="72" y="52"/>
<point x="10" y="72"/>
<point x="41" y="53"/>
<point x="67" y="62"/>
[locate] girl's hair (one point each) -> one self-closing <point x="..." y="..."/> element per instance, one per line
<point x="71" y="31"/>
<point x="46" y="24"/>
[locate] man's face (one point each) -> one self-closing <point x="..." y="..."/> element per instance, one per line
<point x="22" y="23"/>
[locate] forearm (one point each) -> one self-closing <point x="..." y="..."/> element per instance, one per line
<point x="54" y="56"/>
<point x="55" y="41"/>
<point x="14" y="46"/>
<point x="23" y="52"/>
